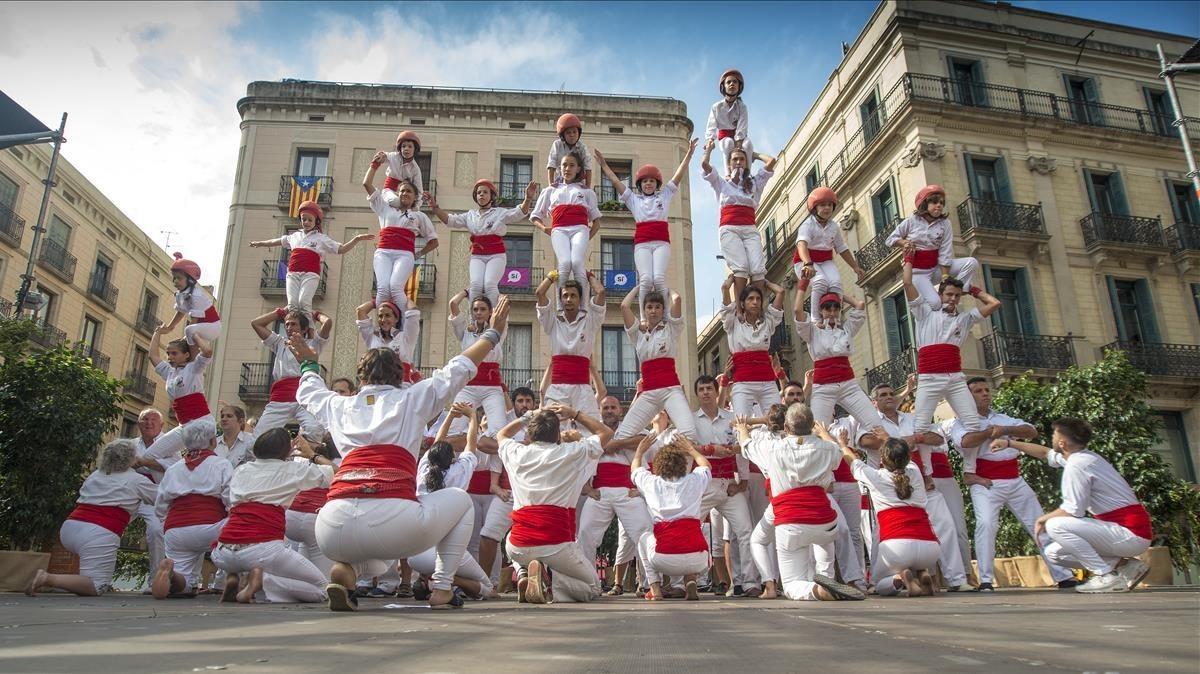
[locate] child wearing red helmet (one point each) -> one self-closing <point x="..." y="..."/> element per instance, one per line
<point x="927" y="240"/>
<point x="817" y="239"/>
<point x="308" y="245"/>
<point x="729" y="118"/>
<point x="194" y="302"/>
<point x="570" y="135"/>
<point x="401" y="166"/>
<point x="649" y="201"/>
<point x="400" y="226"/>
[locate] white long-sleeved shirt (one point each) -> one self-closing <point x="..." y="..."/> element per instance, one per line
<point x="791" y="462"/>
<point x="569" y="194"/>
<point x="730" y="116"/>
<point x="457" y="475"/>
<point x="545" y="473"/>
<point x="729" y="194"/>
<point x="210" y="478"/>
<point x="286" y="366"/>
<point x="315" y="240"/>
<point x="125" y="490"/>
<point x="880" y="484"/>
<point x="186" y="380"/>
<point x="1090" y="484"/>
<point x="652" y="208"/>
<point x="571" y="338"/>
<point x="195" y="302"/>
<point x="559" y="149"/>
<point x="971" y="455"/>
<point x="938" y="326"/>
<point x="821" y="237"/>
<point x="744" y="336"/>
<point x="468" y="333"/>
<point x="936" y="235"/>
<point x="405" y="170"/>
<point x="237" y="453"/>
<point x="662" y="341"/>
<point x="411" y="219"/>
<point x="276" y="482"/>
<point x="403" y="342"/>
<point x="493" y="221"/>
<point x="825" y="341"/>
<point x="670" y="500"/>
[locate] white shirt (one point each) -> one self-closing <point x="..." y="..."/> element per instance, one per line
<point x="723" y="115"/>
<point x="411" y="219"/>
<point x="825" y="341"/>
<point x="493" y="221"/>
<point x="729" y="194"/>
<point x="403" y="342"/>
<point x="572" y="338"/>
<point x="315" y="241"/>
<point x="716" y="430"/>
<point x="883" y="489"/>
<point x="936" y="235"/>
<point x="744" y="336"/>
<point x="237" y="453"/>
<point x="195" y="302"/>
<point x="275" y="482"/>
<point x="457" y="475"/>
<point x="186" y="380"/>
<point x="546" y="473"/>
<point x="559" y="149"/>
<point x="405" y="170"/>
<point x="467" y="332"/>
<point x="125" y="490"/>
<point x="792" y="462"/>
<point x="141" y="449"/>
<point x="569" y="194"/>
<point x="210" y="478"/>
<point x="937" y="326"/>
<point x="660" y="342"/>
<point x="1090" y="484"/>
<point x="821" y="237"/>
<point x="286" y="366"/>
<point x="380" y="414"/>
<point x="652" y="208"/>
<point x="670" y="500"/>
<point x="984" y="451"/>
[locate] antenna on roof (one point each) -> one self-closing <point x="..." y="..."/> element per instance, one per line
<point x="167" y="233"/>
<point x="1081" y="44"/>
<point x="845" y="48"/>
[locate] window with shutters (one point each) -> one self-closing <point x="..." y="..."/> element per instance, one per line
<point x="1106" y="192"/>
<point x="896" y="323"/>
<point x="139" y="362"/>
<point x="966" y="79"/>
<point x="1012" y="288"/>
<point x="1084" y="99"/>
<point x="1133" y="310"/>
<point x="618" y="362"/>
<point x="8" y="193"/>
<point x="1172" y="445"/>
<point x="813" y="178"/>
<point x="1161" y="115"/>
<point x="1184" y="204"/>
<point x="885" y="208"/>
<point x="520" y="251"/>
<point x="49" y="309"/>
<point x="987" y="178"/>
<point x="59" y="232"/>
<point x="515" y="175"/>
<point x="91" y="333"/>
<point x="518" y="357"/>
<point x="624" y="171"/>
<point x="425" y="163"/>
<point x="312" y="163"/>
<point x="616" y="255"/>
<point x="873" y="117"/>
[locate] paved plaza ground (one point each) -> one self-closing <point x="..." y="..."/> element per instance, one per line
<point x="1016" y="630"/>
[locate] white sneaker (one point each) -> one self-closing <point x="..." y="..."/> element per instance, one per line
<point x="1109" y="582"/>
<point x="1133" y="570"/>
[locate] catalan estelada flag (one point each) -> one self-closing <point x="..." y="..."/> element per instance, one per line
<point x="304" y="188"/>
<point x="414" y="283"/>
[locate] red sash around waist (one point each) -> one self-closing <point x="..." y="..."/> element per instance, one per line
<point x="390" y="183"/>
<point x="252" y="522"/>
<point x="535" y="525"/>
<point x="651" y="230"/>
<point x="411" y="374"/>
<point x="754" y="469"/>
<point x="376" y="471"/>
<point x="724" y="467"/>
<point x="941" y="465"/>
<point x="613" y="474"/>
<point x="865" y="502"/>
<point x="304" y="259"/>
<point x="841" y="472"/>
<point x="1133" y="517"/>
<point x="566" y="369"/>
<point x="939" y="359"/>
<point x="737" y="215"/>
<point x="481" y="483"/>
<point x="679" y="537"/>
<point x="192" y="509"/>
<point x="906" y="522"/>
<point x="487" y="244"/>
<point x="834" y="370"/>
<point x="726" y="133"/>
<point x="659" y="373"/>
<point x="803" y="505"/>
<point x="814" y="254"/>
<point x="504" y="484"/>
<point x="210" y="316"/>
<point x="752" y="366"/>
<point x="924" y="259"/>
<point x="113" y="518"/>
<point x="1007" y="469"/>
<point x="568" y="215"/>
<point x="310" y="500"/>
<point x="284" y="390"/>
<point x="487" y="375"/>
<point x="398" y="238"/>
<point x="189" y="407"/>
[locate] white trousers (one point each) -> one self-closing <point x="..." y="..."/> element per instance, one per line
<point x="743" y="251"/>
<point x="485" y="272"/>
<point x="186" y="547"/>
<point x="362" y="530"/>
<point x="597" y="514"/>
<point x="302" y="530"/>
<point x="931" y="389"/>
<point x="392" y="269"/>
<point x="207" y="331"/>
<point x="154" y="534"/>
<point x="652" y="259"/>
<point x="1092" y="544"/>
<point x="425" y="564"/>
<point x="574" y="579"/>
<point x="647" y="406"/>
<point x="1022" y="503"/>
<point x="794" y="543"/>
<point x="287" y="575"/>
<point x="898" y="554"/>
<point x="840" y="550"/>
<point x="952" y="495"/>
<point x="926" y="281"/>
<point x="944" y="527"/>
<point x="735" y="511"/>
<point x="97" y="550"/>
<point x="663" y="564"/>
<point x="480" y="505"/>
<point x="570" y="251"/>
<point x="848" y="497"/>
<point x="278" y="414"/>
<point x="826" y="279"/>
<point x="851" y="397"/>
<point x="301" y="288"/>
<point x="496" y="526"/>
<point x="747" y="394"/>
<point x="757" y="496"/>
<point x="581" y="397"/>
<point x="491" y="399"/>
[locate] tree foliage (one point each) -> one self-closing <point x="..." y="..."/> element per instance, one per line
<point x="55" y="410"/>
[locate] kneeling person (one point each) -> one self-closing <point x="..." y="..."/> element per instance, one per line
<point x="677" y="546"/>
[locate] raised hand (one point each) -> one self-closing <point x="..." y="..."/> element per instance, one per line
<point x="500" y="314"/>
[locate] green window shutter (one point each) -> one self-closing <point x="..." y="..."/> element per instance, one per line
<point x="1175" y="205"/>
<point x="1193" y="205"/>
<point x="1122" y="331"/>
<point x="1117" y="188"/>
<point x="972" y="179"/>
<point x="892" y="324"/>
<point x="1146" y="312"/>
<point x="996" y="318"/>
<point x="1003" y="188"/>
<point x="1092" y="96"/>
<point x="1091" y="190"/>
<point x="877" y="213"/>
<point x="977" y="77"/>
<point x="1028" y="312"/>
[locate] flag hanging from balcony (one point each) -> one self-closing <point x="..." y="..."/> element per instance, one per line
<point x="304" y="188"/>
<point x="619" y="279"/>
<point x="414" y="284"/>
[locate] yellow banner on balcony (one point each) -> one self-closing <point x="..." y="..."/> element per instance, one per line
<point x="304" y="188"/>
<point x="414" y="283"/>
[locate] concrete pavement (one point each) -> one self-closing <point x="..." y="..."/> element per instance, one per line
<point x="1015" y="630"/>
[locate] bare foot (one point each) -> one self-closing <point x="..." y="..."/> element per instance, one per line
<point x="439" y="597"/>
<point x="911" y="582"/>
<point x="522" y="584"/>
<point x="656" y="593"/>
<point x="769" y="591"/>
<point x="161" y="586"/>
<point x="229" y="594"/>
<point x="927" y="583"/>
<point x="823" y="594"/>
<point x="253" y="585"/>
<point x="39" y="579"/>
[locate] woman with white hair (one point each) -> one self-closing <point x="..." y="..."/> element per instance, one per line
<point x="107" y="499"/>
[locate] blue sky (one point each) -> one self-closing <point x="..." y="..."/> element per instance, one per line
<point x="176" y="70"/>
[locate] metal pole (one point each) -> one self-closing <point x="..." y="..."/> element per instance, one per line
<point x="27" y="277"/>
<point x="1180" y="122"/>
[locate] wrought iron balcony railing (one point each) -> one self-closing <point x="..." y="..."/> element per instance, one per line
<point x="895" y="371"/>
<point x="12" y="226"/>
<point x="47" y="335"/>
<point x="140" y="386"/>
<point x="876" y="252"/>
<point x="102" y="289"/>
<point x="100" y="360"/>
<point x="427" y="281"/>
<point x="866" y="136"/>
<point x="621" y="384"/>
<point x="521" y="376"/>
<point x="974" y="213"/>
<point x="1014" y="349"/>
<point x="256" y="379"/>
<point x="57" y="259"/>
<point x="520" y="282"/>
<point x="511" y="193"/>
<point x="1182" y="237"/>
<point x="608" y="199"/>
<point x="146" y="321"/>
<point x="273" y="282"/>
<point x="1169" y="360"/>
<point x="324" y="189"/>
<point x="1106" y="228"/>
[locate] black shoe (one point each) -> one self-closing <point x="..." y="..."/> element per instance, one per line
<point x="737" y="590"/>
<point x="719" y="589"/>
<point x="362" y="592"/>
<point x="379" y="593"/>
<point x="985" y="587"/>
<point x="1067" y="584"/>
<point x="705" y="589"/>
<point x="420" y="590"/>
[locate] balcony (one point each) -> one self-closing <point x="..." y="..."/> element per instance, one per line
<point x="12" y="227"/>
<point x="621" y="384"/>
<point x="1004" y="350"/>
<point x="894" y="372"/>
<point x="1164" y="360"/>
<point x="1183" y="238"/>
<point x="521" y="282"/>
<point x="1123" y="236"/>
<point x="324" y="190"/>
<point x="1001" y="225"/>
<point x="56" y="258"/>
<point x="99" y="360"/>
<point x="256" y="380"/>
<point x="878" y="260"/>
<point x="519" y="376"/>
<point x="427" y="281"/>
<point x="139" y="386"/>
<point x="46" y="335"/>
<point x="146" y="321"/>
<point x="100" y="288"/>
<point x="608" y="200"/>
<point x="779" y="242"/>
<point x="872" y="130"/>
<point x="273" y="282"/>
<point x="511" y="193"/>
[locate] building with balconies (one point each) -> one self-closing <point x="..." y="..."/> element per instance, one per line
<point x="106" y="284"/>
<point x="1064" y="175"/>
<point x="326" y="133"/>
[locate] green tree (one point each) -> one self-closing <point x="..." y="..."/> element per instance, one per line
<point x="1111" y="396"/>
<point x="55" y="410"/>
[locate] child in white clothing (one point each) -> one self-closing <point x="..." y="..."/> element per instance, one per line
<point x="729" y="119"/>
<point x="194" y="302"/>
<point x="570" y="134"/>
<point x="402" y="166"/>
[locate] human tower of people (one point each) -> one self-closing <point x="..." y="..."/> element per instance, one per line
<point x="791" y="488"/>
